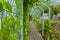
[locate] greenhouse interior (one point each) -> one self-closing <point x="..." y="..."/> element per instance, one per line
<point x="29" y="19"/>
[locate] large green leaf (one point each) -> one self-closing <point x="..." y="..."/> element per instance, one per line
<point x="1" y="0"/>
<point x="8" y="6"/>
<point x="1" y="7"/>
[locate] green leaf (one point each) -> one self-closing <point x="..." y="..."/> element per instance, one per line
<point x="1" y="7"/>
<point x="0" y="0"/>
<point x="8" y="6"/>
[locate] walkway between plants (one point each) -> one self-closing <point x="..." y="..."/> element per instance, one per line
<point x="33" y="32"/>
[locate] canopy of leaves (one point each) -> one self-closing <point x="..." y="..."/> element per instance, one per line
<point x="47" y="2"/>
<point x="5" y="5"/>
<point x="30" y="2"/>
<point x="8" y="6"/>
<point x="1" y="7"/>
<point x="57" y="8"/>
<point x="46" y="10"/>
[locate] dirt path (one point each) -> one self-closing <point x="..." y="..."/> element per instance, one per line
<point x="33" y="33"/>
